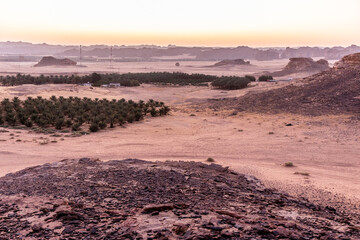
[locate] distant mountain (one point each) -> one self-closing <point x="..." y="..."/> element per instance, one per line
<point x="153" y="52"/>
<point x="25" y="48"/>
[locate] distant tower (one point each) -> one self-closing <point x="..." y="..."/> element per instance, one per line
<point x="111" y="55"/>
<point x="80" y="55"/>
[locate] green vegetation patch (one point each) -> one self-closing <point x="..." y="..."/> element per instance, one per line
<point x="231" y="83"/>
<point x="73" y="113"/>
<point x="126" y="79"/>
<point x="132" y="79"/>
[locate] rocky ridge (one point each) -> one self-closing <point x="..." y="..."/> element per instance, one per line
<point x="134" y="199"/>
<point x="334" y="91"/>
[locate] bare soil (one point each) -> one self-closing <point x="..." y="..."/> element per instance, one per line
<point x="205" y="123"/>
<point x="325" y="147"/>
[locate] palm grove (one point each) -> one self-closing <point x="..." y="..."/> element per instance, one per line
<point x="134" y="79"/>
<point x="75" y="113"/>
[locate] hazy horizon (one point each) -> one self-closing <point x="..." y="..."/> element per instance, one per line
<point x="230" y="23"/>
<point x="171" y="45"/>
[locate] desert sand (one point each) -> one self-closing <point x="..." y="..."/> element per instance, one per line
<point x="326" y="148"/>
<point x="204" y="67"/>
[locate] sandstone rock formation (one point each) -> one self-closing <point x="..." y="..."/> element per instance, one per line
<point x="297" y="65"/>
<point x="51" y="61"/>
<point x="349" y="61"/>
<point x="232" y="63"/>
<point x="135" y="199"/>
<point x="334" y="91"/>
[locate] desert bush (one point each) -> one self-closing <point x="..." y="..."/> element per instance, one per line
<point x="288" y="164"/>
<point x="210" y="159"/>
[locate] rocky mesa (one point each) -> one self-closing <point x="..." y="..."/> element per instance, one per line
<point x="297" y="65"/>
<point x="51" y="61"/>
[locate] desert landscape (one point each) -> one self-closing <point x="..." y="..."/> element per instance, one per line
<point x="198" y="120"/>
<point x="312" y="156"/>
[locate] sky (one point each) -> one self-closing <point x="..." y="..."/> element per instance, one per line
<point x="257" y="23"/>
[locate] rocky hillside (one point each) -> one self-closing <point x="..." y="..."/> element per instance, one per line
<point x="334" y="91"/>
<point x="134" y="199"/>
<point x="51" y="61"/>
<point x="298" y="65"/>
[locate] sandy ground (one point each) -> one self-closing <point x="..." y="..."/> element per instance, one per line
<point x="125" y="67"/>
<point x="204" y="67"/>
<point x="327" y="148"/>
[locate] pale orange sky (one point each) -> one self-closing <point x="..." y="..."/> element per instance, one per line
<point x="183" y="22"/>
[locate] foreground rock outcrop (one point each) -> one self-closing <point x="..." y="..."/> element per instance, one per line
<point x="298" y="65"/>
<point x="134" y="199"/>
<point x="51" y="61"/>
<point x="334" y="91"/>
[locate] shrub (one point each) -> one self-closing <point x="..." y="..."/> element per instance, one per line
<point x="210" y="159"/>
<point x="288" y="164"/>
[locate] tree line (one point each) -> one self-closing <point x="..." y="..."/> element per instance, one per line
<point x="76" y="113"/>
<point x="126" y="79"/>
<point x="135" y="79"/>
